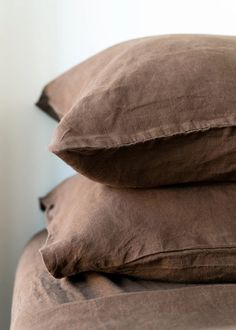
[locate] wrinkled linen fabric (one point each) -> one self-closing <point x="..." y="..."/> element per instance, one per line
<point x="182" y="234"/>
<point x="98" y="301"/>
<point x="149" y="112"/>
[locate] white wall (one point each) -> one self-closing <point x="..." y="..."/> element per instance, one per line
<point x="38" y="40"/>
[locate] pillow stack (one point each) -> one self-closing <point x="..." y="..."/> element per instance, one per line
<point x="150" y="125"/>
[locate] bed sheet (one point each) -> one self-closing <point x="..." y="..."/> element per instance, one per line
<point x="101" y="301"/>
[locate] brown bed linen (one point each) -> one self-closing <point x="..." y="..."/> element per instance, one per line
<point x="181" y="233"/>
<point x="150" y="112"/>
<point x="95" y="301"/>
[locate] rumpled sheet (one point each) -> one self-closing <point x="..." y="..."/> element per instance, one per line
<point x="100" y="301"/>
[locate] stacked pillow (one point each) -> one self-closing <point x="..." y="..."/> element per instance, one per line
<point x="155" y="113"/>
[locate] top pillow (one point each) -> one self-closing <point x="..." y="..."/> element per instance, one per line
<point x="149" y="112"/>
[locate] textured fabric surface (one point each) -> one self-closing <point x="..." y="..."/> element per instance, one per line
<point x="182" y="234"/>
<point x="149" y="112"/>
<point x="97" y="301"/>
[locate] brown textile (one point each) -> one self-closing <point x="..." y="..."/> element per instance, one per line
<point x="182" y="234"/>
<point x="149" y="112"/>
<point x="95" y="301"/>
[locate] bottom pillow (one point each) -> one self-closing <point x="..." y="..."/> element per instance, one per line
<point x="180" y="234"/>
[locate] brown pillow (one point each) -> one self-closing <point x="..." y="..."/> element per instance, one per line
<point x="182" y="234"/>
<point x="150" y="112"/>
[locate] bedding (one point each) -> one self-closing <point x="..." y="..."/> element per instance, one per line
<point x="180" y="234"/>
<point x="149" y="112"/>
<point x="98" y="301"/>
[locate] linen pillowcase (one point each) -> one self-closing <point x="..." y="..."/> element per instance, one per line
<point x="180" y="234"/>
<point x="149" y="112"/>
